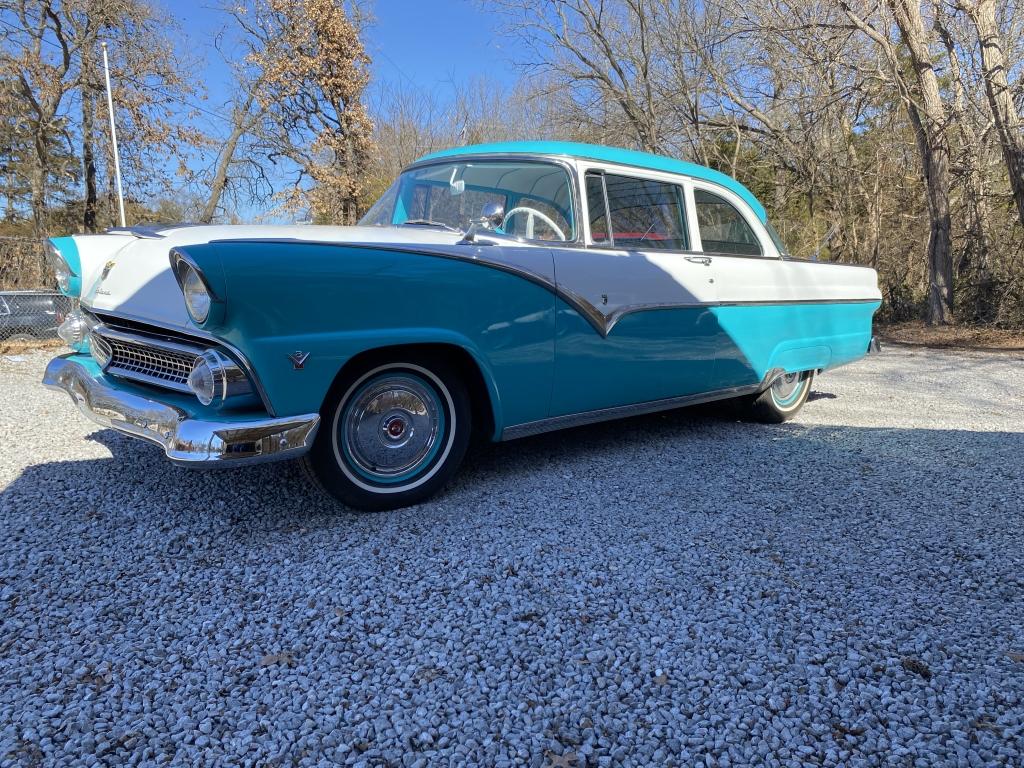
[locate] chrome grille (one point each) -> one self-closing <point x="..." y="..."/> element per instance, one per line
<point x="98" y="342"/>
<point x="151" y="361"/>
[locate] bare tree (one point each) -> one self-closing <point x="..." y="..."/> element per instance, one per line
<point x="604" y="52"/>
<point x="1000" y="96"/>
<point x="927" y="112"/>
<point x="313" y="72"/>
<point x="53" y="59"/>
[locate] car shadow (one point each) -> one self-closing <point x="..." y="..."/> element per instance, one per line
<point x="688" y="459"/>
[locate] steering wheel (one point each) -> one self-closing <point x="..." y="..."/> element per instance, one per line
<point x="531" y="214"/>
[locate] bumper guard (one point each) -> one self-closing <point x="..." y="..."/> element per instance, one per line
<point x="185" y="440"/>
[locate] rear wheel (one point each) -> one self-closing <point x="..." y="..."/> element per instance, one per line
<point x="783" y="399"/>
<point x="393" y="434"/>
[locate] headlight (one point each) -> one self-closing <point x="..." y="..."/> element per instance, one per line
<point x="60" y="267"/>
<point x="215" y="378"/>
<point x="74" y="331"/>
<point x="197" y="296"/>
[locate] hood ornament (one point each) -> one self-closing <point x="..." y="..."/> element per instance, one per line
<point x="298" y="359"/>
<point x="106" y="269"/>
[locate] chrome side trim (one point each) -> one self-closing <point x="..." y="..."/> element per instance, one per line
<point x="480" y="256"/>
<point x="773" y="302"/>
<point x="601" y="322"/>
<point x="622" y="411"/>
<point x="185" y="440"/>
<point x="636" y="409"/>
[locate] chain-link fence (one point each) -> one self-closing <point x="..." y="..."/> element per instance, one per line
<point x="31" y="309"/>
<point x="31" y="316"/>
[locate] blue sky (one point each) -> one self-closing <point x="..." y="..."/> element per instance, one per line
<point x="435" y="42"/>
<point x="429" y="44"/>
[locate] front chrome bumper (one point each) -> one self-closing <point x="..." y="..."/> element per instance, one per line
<point x="185" y="440"/>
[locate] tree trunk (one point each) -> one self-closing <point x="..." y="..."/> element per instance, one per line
<point x="241" y="120"/>
<point x="929" y="121"/>
<point x="1000" y="96"/>
<point x="88" y="132"/>
<point x="37" y="183"/>
<point x="974" y="261"/>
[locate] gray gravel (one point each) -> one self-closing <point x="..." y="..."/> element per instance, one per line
<point x="672" y="590"/>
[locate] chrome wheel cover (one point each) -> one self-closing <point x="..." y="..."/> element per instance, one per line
<point x="391" y="428"/>
<point x="785" y="387"/>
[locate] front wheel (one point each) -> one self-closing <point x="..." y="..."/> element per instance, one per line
<point x="392" y="435"/>
<point x="781" y="401"/>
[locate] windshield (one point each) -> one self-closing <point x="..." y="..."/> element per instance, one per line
<point x="780" y="244"/>
<point x="536" y="198"/>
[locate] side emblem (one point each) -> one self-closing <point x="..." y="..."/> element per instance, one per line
<point x="298" y="359"/>
<point x="106" y="269"/>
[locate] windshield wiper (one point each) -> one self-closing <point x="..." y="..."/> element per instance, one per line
<point x="429" y="223"/>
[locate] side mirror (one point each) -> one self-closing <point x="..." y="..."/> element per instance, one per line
<point x="493" y="214"/>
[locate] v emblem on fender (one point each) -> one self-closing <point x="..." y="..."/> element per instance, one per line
<point x="298" y="359"/>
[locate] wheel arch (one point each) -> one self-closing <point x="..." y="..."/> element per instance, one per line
<point x="484" y="401"/>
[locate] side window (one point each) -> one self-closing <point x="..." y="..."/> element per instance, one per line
<point x="722" y="228"/>
<point x="596" y="206"/>
<point x="645" y="215"/>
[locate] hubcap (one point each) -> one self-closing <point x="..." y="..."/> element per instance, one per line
<point x="786" y="387"/>
<point x="391" y="427"/>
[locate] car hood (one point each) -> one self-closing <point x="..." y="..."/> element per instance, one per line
<point x="133" y="278"/>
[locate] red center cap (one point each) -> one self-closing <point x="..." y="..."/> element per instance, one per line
<point x="396" y="428"/>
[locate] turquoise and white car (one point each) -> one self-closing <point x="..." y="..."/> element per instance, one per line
<point x="495" y="291"/>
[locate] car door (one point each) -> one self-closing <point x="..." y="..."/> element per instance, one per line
<point x="756" y="287"/>
<point x="638" y="325"/>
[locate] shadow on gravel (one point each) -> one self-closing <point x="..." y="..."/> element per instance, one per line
<point x="697" y="457"/>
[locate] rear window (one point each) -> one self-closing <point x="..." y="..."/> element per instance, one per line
<point x="722" y="228"/>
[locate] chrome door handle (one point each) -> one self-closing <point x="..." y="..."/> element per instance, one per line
<point x="705" y="260"/>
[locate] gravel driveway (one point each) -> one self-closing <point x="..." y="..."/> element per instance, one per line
<point x="677" y="589"/>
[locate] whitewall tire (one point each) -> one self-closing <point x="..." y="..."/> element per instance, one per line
<point x="393" y="434"/>
<point x="783" y="398"/>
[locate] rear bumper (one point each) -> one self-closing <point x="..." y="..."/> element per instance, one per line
<point x="873" y="346"/>
<point x="185" y="439"/>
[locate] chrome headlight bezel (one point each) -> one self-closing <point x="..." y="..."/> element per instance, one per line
<point x="197" y="295"/>
<point x="201" y="302"/>
<point x="63" y="273"/>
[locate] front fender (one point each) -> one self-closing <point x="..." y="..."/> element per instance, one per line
<point x="335" y="302"/>
<point x="295" y="388"/>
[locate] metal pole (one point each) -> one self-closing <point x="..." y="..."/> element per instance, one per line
<point x="113" y="136"/>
